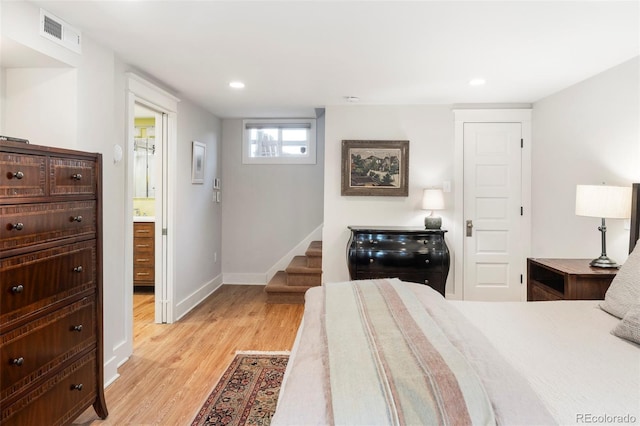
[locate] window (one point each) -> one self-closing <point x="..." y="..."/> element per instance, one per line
<point x="283" y="141"/>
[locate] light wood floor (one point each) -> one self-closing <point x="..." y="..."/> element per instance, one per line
<point x="174" y="367"/>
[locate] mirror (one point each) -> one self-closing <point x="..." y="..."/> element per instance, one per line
<point x="144" y="161"/>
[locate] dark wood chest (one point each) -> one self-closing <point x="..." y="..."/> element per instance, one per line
<point x="51" y="346"/>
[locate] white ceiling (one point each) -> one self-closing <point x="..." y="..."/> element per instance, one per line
<point x="295" y="56"/>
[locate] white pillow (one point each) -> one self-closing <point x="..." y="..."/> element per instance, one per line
<point x="624" y="291"/>
<point x="629" y="327"/>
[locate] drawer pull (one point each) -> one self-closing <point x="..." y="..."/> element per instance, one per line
<point x="143" y="273"/>
<point x="17" y="362"/>
<point x="76" y="219"/>
<point x="17" y="226"/>
<point x="17" y="175"/>
<point x="17" y="289"/>
<point x="426" y="281"/>
<point x="142" y="245"/>
<point x="77" y="269"/>
<point x="142" y="231"/>
<point x="77" y="387"/>
<point x="370" y="260"/>
<point x="426" y="261"/>
<point x="77" y="328"/>
<point x="76" y="176"/>
<point x="142" y="260"/>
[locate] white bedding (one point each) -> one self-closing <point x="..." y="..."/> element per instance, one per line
<point x="564" y="350"/>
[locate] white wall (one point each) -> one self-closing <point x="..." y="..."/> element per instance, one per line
<point x="41" y="105"/>
<point x="586" y="134"/>
<point x="430" y="132"/>
<point x="266" y="209"/>
<point x="199" y="219"/>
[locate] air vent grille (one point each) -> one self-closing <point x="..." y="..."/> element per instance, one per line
<point x="60" y="32"/>
<point x="52" y="28"/>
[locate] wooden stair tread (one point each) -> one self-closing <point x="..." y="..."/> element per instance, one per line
<point x="298" y="265"/>
<point x="302" y="273"/>
<point x="279" y="292"/>
<point x="279" y="284"/>
<point x="314" y="249"/>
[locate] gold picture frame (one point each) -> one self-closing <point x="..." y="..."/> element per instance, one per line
<point x="375" y="168"/>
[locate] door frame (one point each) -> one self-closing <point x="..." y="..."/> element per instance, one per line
<point x="461" y="116"/>
<point x="146" y="93"/>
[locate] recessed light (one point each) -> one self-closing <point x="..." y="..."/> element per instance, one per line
<point x="477" y="82"/>
<point x="236" y="85"/>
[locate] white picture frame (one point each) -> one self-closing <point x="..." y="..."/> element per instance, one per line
<point x="198" y="153"/>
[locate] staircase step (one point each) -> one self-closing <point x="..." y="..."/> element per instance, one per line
<point x="279" y="292"/>
<point x="299" y="274"/>
<point x="314" y="254"/>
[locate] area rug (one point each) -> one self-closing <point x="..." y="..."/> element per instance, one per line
<point x="247" y="392"/>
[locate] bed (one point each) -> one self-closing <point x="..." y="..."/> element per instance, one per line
<point x="391" y="352"/>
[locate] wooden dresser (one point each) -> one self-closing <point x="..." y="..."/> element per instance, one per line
<point x="410" y="254"/>
<point x="51" y="351"/>
<point x="144" y="254"/>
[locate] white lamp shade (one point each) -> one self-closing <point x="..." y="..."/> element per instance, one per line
<point x="433" y="199"/>
<point x="611" y="202"/>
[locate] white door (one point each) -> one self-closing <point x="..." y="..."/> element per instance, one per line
<point x="493" y="226"/>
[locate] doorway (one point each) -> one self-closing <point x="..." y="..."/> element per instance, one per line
<point x="141" y="92"/>
<point x="147" y="201"/>
<point x="493" y="220"/>
<point x="492" y="211"/>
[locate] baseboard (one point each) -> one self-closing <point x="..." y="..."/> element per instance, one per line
<point x="185" y="306"/>
<point x="245" y="279"/>
<point x="110" y="371"/>
<point x="300" y="249"/>
<point x="120" y="354"/>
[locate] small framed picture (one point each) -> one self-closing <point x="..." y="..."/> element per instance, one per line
<point x="199" y="153"/>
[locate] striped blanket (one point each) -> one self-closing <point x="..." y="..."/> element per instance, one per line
<point x="390" y="363"/>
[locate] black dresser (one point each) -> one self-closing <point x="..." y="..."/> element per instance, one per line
<point x="410" y="254"/>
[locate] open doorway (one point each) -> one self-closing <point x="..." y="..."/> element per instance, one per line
<point x="147" y="190"/>
<point x="164" y="106"/>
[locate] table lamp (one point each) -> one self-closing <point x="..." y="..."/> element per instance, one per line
<point x="605" y="202"/>
<point x="432" y="199"/>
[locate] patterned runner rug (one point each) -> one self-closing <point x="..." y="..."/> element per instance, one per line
<point x="247" y="392"/>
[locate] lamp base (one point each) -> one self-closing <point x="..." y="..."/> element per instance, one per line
<point x="604" y="262"/>
<point x="432" y="222"/>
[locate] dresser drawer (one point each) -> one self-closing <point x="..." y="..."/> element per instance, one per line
<point x="22" y="175"/>
<point x="143" y="247"/>
<point x="33" y="281"/>
<point x="29" y="224"/>
<point x="72" y="177"/>
<point x="34" y="349"/>
<point x="56" y="399"/>
<point x="143" y="259"/>
<point x="409" y="242"/>
<point x="143" y="273"/>
<point x="396" y="260"/>
<point x="143" y="229"/>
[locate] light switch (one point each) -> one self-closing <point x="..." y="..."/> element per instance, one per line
<point x="446" y="186"/>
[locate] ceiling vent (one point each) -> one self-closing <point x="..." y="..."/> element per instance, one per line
<point x="56" y="30"/>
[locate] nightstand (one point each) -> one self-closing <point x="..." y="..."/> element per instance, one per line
<point x="566" y="279"/>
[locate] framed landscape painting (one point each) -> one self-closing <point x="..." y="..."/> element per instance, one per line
<point x="375" y="168"/>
